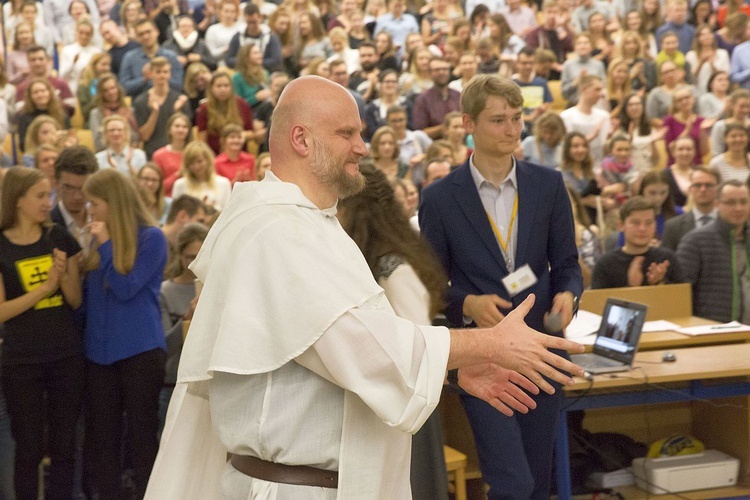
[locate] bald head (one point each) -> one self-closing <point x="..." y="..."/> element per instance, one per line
<point x="309" y="101"/>
<point x="315" y="139"/>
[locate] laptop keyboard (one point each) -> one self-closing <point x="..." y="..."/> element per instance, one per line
<point x="595" y="360"/>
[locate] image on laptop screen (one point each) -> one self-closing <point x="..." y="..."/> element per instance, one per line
<point x="620" y="329"/>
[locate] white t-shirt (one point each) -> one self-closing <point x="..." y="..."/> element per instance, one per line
<point x="576" y="121"/>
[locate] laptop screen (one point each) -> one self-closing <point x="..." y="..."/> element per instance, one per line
<point x="620" y="330"/>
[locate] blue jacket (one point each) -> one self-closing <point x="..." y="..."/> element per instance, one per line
<point x="123" y="316"/>
<point x="453" y="220"/>
<point x="131" y="71"/>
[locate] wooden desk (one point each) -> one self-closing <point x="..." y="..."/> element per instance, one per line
<point x="457" y="430"/>
<point x="651" y="341"/>
<point x="705" y="372"/>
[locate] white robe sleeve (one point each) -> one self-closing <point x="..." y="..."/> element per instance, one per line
<point x="395" y="367"/>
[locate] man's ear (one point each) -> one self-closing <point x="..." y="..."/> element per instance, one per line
<point x="300" y="140"/>
<point x="468" y="124"/>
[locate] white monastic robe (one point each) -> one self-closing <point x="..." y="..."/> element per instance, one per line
<point x="295" y="356"/>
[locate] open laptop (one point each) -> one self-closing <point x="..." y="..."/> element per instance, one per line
<point x="617" y="341"/>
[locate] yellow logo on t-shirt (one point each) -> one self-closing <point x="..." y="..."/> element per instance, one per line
<point x="33" y="272"/>
<point x="533" y="96"/>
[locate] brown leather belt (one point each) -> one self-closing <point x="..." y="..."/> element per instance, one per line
<point x="301" y="475"/>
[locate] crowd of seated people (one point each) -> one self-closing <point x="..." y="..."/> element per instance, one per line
<point x="647" y="99"/>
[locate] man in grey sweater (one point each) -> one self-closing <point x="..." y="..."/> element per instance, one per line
<point x="716" y="258"/>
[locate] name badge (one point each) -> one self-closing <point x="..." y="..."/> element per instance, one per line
<point x="519" y="280"/>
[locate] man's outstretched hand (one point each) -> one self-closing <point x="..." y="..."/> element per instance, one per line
<point x="514" y="346"/>
<point x="501" y="388"/>
<point x="524" y="350"/>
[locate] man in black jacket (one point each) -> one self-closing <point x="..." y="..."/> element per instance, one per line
<point x="703" y="182"/>
<point x="73" y="166"/>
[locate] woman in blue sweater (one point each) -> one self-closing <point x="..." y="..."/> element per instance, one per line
<point x="124" y="340"/>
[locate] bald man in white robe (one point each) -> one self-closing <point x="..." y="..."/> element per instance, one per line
<point x="295" y="363"/>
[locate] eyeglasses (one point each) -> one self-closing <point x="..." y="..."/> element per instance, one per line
<point x="703" y="185"/>
<point x="72" y="189"/>
<point x="734" y="202"/>
<point x="149" y="180"/>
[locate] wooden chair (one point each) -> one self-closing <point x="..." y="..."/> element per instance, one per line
<point x="76" y="121"/>
<point x="663" y="301"/>
<point x="558" y="101"/>
<point x="86" y="138"/>
<point x="455" y="464"/>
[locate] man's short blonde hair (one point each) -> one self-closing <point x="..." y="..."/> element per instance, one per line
<point x="481" y="87"/>
<point x="159" y="62"/>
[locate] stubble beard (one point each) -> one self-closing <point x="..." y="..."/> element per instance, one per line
<point x="324" y="166"/>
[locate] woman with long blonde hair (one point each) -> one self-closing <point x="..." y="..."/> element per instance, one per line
<point x="311" y="40"/>
<point x="124" y="339"/>
<point x="99" y="65"/>
<point x="197" y="77"/>
<point x="251" y="79"/>
<point x="42" y="361"/>
<point x="222" y="107"/>
<point x="199" y="178"/>
<point x="618" y="85"/>
<point x="42" y="130"/>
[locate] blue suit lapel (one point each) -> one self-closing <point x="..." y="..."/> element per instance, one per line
<point x="527" y="203"/>
<point x="467" y="198"/>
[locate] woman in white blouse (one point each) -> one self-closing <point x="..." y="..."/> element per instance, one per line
<point x="220" y="34"/>
<point x="199" y="178"/>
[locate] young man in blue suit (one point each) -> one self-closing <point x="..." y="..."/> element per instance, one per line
<point x="503" y="229"/>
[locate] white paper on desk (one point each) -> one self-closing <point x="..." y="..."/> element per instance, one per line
<point x="660" y="325"/>
<point x="734" y="326"/>
<point x="585" y="323"/>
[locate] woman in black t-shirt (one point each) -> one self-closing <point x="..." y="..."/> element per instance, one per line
<point x="42" y="351"/>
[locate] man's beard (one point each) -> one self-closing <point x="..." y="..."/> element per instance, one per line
<point x="325" y="166"/>
<point x="368" y="66"/>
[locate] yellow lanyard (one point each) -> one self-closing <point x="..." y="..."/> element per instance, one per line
<point x="504" y="242"/>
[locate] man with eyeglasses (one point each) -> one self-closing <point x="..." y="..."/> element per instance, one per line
<point x="135" y="70"/>
<point x="715" y="258"/>
<point x="72" y="167"/>
<point x="432" y="105"/>
<point x="702" y="191"/>
<point x="376" y="110"/>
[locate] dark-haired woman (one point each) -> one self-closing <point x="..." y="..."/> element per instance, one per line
<point x="414" y="283"/>
<point x="175" y="297"/>
<point x="43" y="366"/>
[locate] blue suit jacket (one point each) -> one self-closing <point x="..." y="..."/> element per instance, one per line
<point x="455" y="223"/>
